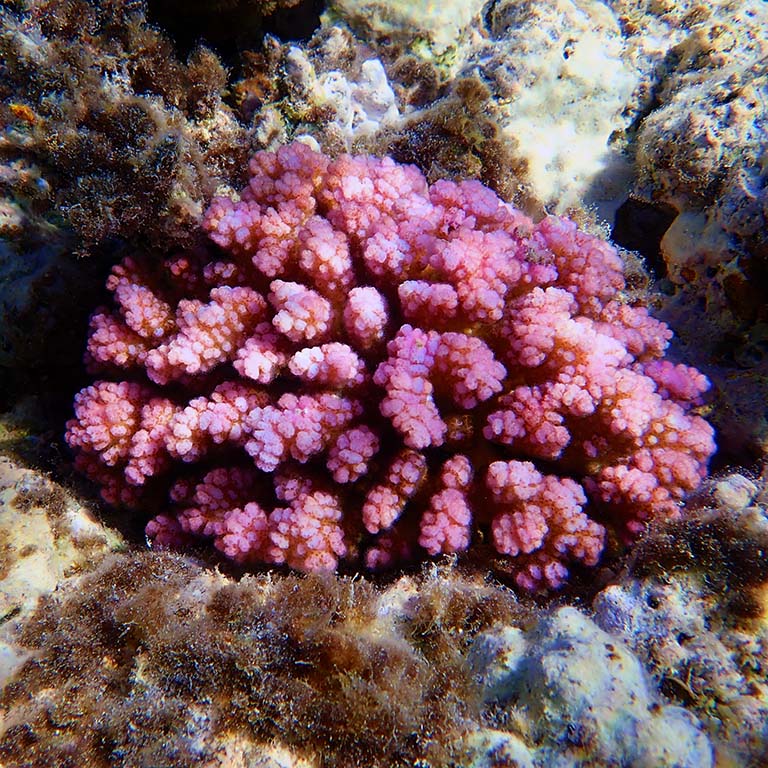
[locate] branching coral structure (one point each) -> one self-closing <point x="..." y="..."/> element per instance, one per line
<point x="372" y="367"/>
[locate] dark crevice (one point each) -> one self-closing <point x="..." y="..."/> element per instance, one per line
<point x="640" y="226"/>
<point x="232" y="27"/>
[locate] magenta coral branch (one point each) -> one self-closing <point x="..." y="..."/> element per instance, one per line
<point x="370" y="366"/>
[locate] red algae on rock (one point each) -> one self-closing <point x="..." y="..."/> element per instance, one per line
<point x="370" y="366"/>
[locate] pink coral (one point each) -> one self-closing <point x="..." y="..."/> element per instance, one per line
<point x="307" y="535"/>
<point x="446" y="524"/>
<point x="107" y="417"/>
<point x="208" y="333"/>
<point x="243" y="533"/>
<point x="350" y="454"/>
<point x="386" y="500"/>
<point x="539" y="520"/>
<point x="369" y="365"/>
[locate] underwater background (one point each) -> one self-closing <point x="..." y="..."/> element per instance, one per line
<point x="576" y="616"/>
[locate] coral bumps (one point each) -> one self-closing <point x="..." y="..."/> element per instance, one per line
<point x="370" y="367"/>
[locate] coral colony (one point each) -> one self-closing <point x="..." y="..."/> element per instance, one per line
<point x="371" y="367"/>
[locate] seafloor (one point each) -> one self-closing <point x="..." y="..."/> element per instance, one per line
<point x="645" y="121"/>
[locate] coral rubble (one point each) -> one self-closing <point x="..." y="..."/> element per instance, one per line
<point x="102" y="125"/>
<point x="153" y="660"/>
<point x="692" y="605"/>
<point x="586" y="697"/>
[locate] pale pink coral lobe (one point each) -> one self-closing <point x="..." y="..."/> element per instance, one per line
<point x="370" y="365"/>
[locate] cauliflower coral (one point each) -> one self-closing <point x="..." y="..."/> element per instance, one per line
<point x="370" y="367"/>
